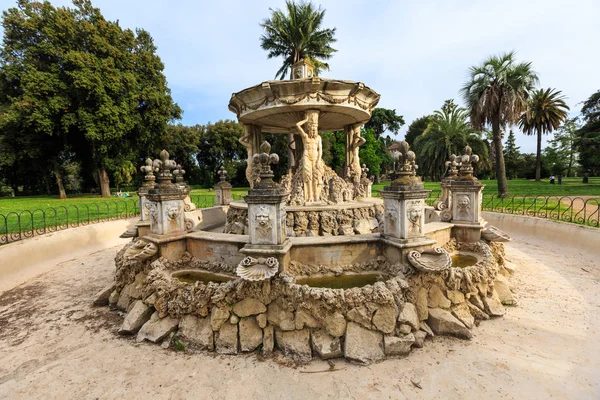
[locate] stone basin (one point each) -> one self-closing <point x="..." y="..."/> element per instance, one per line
<point x="193" y="275"/>
<point x="345" y="281"/>
<point x="464" y="260"/>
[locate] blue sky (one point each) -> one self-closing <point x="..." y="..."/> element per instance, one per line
<point x="414" y="53"/>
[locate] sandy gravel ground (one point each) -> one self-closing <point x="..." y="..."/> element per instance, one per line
<point x="54" y="345"/>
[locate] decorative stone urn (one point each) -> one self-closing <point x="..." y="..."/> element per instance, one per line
<point x="404" y="200"/>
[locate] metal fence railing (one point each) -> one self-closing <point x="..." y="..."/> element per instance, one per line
<point x="579" y="210"/>
<point x="16" y="226"/>
<point x="25" y="224"/>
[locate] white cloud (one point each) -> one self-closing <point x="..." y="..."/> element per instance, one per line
<point x="415" y="54"/>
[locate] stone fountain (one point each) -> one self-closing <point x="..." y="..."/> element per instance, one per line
<point x="312" y="265"/>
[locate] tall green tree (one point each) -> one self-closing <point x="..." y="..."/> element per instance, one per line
<point x="416" y="129"/>
<point x="373" y="154"/>
<point x="384" y="120"/>
<point x="35" y="97"/>
<point x="496" y="94"/>
<point x="512" y="156"/>
<point x="564" y="142"/>
<point x="448" y="133"/>
<point x="546" y="111"/>
<point x="297" y="34"/>
<point x="588" y="136"/>
<point x="79" y="83"/>
<point x="219" y="146"/>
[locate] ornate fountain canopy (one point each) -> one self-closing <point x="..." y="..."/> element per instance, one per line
<point x="278" y="105"/>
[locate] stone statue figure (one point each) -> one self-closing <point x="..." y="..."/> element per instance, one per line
<point x="355" y="142"/>
<point x="251" y="141"/>
<point x="312" y="174"/>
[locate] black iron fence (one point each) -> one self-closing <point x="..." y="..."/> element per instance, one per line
<point x="579" y="210"/>
<point x="21" y="225"/>
<point x="16" y="226"/>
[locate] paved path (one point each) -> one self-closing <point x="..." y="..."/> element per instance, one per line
<point x="53" y="345"/>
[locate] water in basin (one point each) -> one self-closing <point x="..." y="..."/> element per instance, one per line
<point x="463" y="260"/>
<point x="201" y="276"/>
<point x="345" y="281"/>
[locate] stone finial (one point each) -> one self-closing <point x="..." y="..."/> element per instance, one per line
<point x="164" y="166"/>
<point x="453" y="164"/>
<point x="178" y="173"/>
<point x="222" y="174"/>
<point x="263" y="161"/>
<point x="365" y="171"/>
<point x="406" y="166"/>
<point x="148" y="171"/>
<point x="466" y="163"/>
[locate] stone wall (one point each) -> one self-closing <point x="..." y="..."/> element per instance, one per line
<point x="362" y="324"/>
<point x="332" y="221"/>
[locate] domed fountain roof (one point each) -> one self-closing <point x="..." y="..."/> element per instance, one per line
<point x="278" y="105"/>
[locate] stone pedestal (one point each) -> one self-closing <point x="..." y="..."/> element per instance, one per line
<point x="403" y="213"/>
<point x="223" y="193"/>
<point x="166" y="213"/>
<point x="466" y="209"/>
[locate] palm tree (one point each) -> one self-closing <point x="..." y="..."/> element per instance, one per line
<point x="496" y="94"/>
<point x="298" y="35"/>
<point x="546" y="111"/>
<point x="448" y="133"/>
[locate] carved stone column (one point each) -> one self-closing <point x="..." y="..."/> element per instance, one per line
<point x="466" y="200"/>
<point x="268" y="244"/>
<point x="404" y="201"/>
<point x="223" y="189"/>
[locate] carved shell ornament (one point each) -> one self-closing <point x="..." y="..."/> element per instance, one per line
<point x="493" y="234"/>
<point x="257" y="269"/>
<point x="431" y="260"/>
<point x="141" y="250"/>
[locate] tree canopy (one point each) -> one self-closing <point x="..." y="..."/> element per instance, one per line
<point x="588" y="136"/>
<point x="384" y="119"/>
<point x="546" y="111"/>
<point x="74" y="83"/>
<point x="448" y="133"/>
<point x="496" y="94"/>
<point x="296" y="34"/>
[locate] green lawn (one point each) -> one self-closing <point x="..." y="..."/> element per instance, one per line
<point x="34" y="213"/>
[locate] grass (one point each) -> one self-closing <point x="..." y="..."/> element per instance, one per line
<point x="22" y="214"/>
